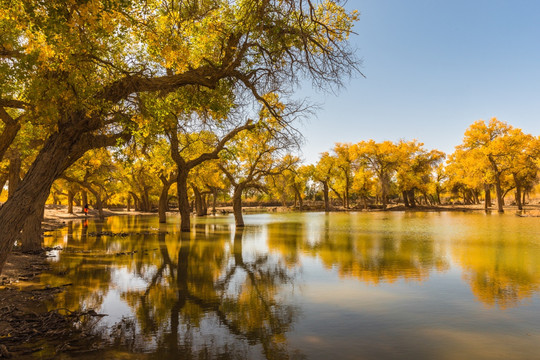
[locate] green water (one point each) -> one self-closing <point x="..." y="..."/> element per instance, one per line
<point x="305" y="286"/>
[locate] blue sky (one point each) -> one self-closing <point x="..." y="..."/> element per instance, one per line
<point x="432" y="68"/>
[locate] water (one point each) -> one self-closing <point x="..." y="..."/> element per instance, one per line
<point x="306" y="286"/>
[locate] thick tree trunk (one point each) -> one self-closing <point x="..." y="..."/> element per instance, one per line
<point x="183" y="200"/>
<point x="237" y="206"/>
<point x="34" y="189"/>
<point x="31" y="239"/>
<point x="128" y="203"/>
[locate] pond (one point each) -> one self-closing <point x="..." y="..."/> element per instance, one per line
<point x="305" y="286"/>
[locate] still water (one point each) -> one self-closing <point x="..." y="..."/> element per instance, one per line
<point x="306" y="286"/>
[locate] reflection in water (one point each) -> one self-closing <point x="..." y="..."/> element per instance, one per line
<point x="501" y="261"/>
<point x="197" y="295"/>
<point x="221" y="293"/>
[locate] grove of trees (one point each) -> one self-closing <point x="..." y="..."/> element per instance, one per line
<point x="115" y="102"/>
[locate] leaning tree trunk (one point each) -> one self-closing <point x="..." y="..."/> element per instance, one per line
<point x="31" y="239"/>
<point x="237" y="206"/>
<point x="32" y="192"/>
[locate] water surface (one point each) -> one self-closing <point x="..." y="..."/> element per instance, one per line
<point x="306" y="286"/>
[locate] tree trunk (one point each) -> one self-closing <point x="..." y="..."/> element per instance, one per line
<point x="487" y="196"/>
<point x="198" y="201"/>
<point x="384" y="192"/>
<point x="3" y="180"/>
<point x="237" y="206"/>
<point x="84" y="202"/>
<point x="299" y="196"/>
<point x="14" y="172"/>
<point x="31" y="239"/>
<point x="406" y="198"/>
<point x="128" y="203"/>
<point x="70" y="195"/>
<point x="163" y="200"/>
<point x="412" y="200"/>
<point x="214" y="200"/>
<point x="183" y="201"/>
<point x="31" y="194"/>
<point x="326" y="198"/>
<point x="518" y="192"/>
<point x="498" y="188"/>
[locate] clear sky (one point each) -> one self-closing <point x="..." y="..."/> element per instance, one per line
<point x="432" y="68"/>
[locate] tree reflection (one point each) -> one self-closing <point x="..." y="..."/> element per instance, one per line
<point x="502" y="269"/>
<point x="212" y="302"/>
<point x="372" y="257"/>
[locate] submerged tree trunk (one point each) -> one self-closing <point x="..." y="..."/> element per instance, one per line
<point x="183" y="200"/>
<point x="237" y="206"/>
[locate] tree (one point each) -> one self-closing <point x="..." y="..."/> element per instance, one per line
<point x="492" y="142"/>
<point x="261" y="152"/>
<point x="324" y="172"/>
<point x="416" y="169"/>
<point x="79" y="66"/>
<point x="381" y="158"/>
